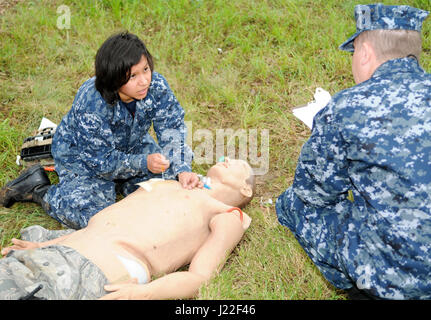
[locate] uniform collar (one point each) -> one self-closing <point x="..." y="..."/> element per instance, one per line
<point x="401" y="65"/>
<point x="119" y="113"/>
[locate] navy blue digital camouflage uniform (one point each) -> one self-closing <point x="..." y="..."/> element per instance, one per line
<point x="360" y="203"/>
<point x="100" y="149"/>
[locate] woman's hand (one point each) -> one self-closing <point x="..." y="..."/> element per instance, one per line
<point x="157" y="163"/>
<point x="189" y="180"/>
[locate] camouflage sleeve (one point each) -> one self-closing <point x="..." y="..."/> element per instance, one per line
<point x="98" y="152"/>
<point x="169" y="126"/>
<point x="321" y="176"/>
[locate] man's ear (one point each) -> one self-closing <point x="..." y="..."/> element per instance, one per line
<point x="368" y="55"/>
<point x="246" y="191"/>
<point x="368" y="60"/>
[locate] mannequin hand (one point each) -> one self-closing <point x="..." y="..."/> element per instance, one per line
<point x="19" y="245"/>
<point x="129" y="290"/>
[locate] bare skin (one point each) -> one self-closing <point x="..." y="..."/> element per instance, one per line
<point x="163" y="227"/>
<point x="364" y="61"/>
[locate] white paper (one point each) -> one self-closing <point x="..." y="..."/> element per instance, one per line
<point x="307" y="113"/>
<point x="46" y="123"/>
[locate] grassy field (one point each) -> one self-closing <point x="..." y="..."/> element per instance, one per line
<point x="241" y="64"/>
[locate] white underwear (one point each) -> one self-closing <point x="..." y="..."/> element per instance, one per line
<point x="134" y="269"/>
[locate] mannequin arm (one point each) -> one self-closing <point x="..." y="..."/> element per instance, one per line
<point x="27" y="245"/>
<point x="226" y="232"/>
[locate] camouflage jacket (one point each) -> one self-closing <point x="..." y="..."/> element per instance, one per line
<point x="366" y="170"/>
<point x="96" y="139"/>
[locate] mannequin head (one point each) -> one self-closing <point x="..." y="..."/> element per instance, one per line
<point x="232" y="182"/>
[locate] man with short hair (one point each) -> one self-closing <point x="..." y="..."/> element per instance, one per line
<point x="360" y="203"/>
<point x="151" y="233"/>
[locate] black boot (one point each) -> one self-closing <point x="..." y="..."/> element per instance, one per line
<point x="38" y="194"/>
<point x="21" y="189"/>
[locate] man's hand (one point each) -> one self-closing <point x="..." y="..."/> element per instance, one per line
<point x="189" y="180"/>
<point x="20" y="245"/>
<point x="157" y="163"/>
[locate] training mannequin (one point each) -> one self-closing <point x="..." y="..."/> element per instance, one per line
<point x="152" y="232"/>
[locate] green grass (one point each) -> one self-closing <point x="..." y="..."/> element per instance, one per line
<point x="273" y="55"/>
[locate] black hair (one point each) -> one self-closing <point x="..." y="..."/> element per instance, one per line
<point x="114" y="59"/>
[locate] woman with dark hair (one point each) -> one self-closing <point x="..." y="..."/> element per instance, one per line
<point x="102" y="145"/>
<point x="114" y="59"/>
